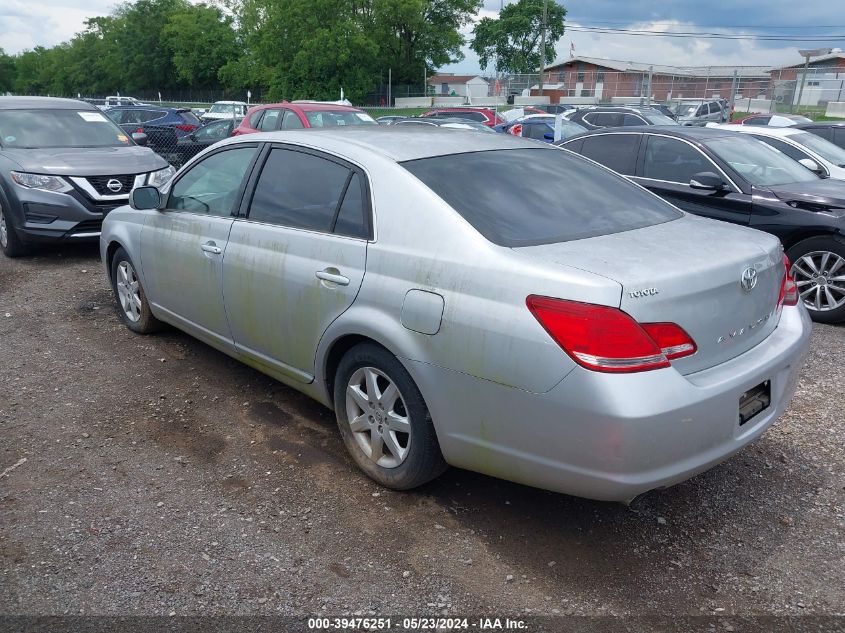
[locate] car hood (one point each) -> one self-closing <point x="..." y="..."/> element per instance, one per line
<point x="87" y="161"/>
<point x="828" y="192"/>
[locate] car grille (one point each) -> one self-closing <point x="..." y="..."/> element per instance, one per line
<point x="100" y="184"/>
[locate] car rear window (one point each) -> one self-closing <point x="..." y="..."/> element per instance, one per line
<point x="189" y="117"/>
<point x="524" y="197"/>
<point x="329" y="118"/>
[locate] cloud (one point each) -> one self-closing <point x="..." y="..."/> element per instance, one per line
<point x="45" y="22"/>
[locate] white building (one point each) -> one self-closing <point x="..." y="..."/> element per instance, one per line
<point x="459" y="85"/>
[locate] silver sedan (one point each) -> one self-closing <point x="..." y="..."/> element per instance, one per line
<point x="470" y="299"/>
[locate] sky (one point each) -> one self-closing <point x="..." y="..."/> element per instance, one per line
<point x="25" y="24"/>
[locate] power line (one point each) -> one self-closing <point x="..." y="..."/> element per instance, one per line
<point x="714" y="26"/>
<point x="707" y="35"/>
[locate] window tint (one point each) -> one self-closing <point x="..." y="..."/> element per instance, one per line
<point x="536" y="130"/>
<point x="214" y="131"/>
<point x="189" y="117"/>
<point x="632" y="119"/>
<point x="327" y="118"/>
<point x="793" y="152"/>
<point x="350" y="218"/>
<point x="270" y="120"/>
<point x="759" y="163"/>
<point x="757" y="120"/>
<point x="839" y="136"/>
<point x="299" y="190"/>
<point x="255" y="119"/>
<point x="616" y="151"/>
<point x="673" y="160"/>
<point x="212" y="185"/>
<point x="538" y="196"/>
<point x="291" y="121"/>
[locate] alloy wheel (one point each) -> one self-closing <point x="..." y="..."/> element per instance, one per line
<point x="378" y="417"/>
<point x="129" y="291"/>
<point x="820" y="277"/>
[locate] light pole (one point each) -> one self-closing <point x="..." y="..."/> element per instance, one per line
<point x="543" y="43"/>
<point x="807" y="54"/>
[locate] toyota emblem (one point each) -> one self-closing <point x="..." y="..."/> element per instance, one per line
<point x="748" y="279"/>
<point x="114" y="185"/>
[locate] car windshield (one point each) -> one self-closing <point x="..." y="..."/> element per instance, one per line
<point x="760" y="164"/>
<point x="226" y="108"/>
<point x="824" y="148"/>
<point x="59" y="128"/>
<point x="659" y="119"/>
<point x="338" y="118"/>
<point x="688" y="109"/>
<point x="522" y="197"/>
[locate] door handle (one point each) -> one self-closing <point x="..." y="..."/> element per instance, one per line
<point x="332" y="277"/>
<point x="211" y="247"/>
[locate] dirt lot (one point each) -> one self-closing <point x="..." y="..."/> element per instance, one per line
<point x="162" y="477"/>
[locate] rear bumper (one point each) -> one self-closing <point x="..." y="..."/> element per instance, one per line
<point x="613" y="437"/>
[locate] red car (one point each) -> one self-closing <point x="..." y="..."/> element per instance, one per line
<point x="295" y="116"/>
<point x="487" y="116"/>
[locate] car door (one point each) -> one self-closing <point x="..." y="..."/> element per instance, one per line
<point x="182" y="245"/>
<point x="668" y="164"/>
<point x="616" y="150"/>
<point x="295" y="257"/>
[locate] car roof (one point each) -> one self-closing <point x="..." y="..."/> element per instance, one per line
<point x="460" y="109"/>
<point x="310" y="107"/>
<point x="764" y="130"/>
<point x="819" y="124"/>
<point x="396" y="142"/>
<point x="44" y="103"/>
<point x="699" y="134"/>
<point x="229" y="103"/>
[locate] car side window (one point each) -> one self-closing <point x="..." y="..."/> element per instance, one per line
<point x="535" y="131"/>
<point x="212" y="185"/>
<point x="270" y="120"/>
<point x="839" y="137"/>
<point x="793" y="152"/>
<point x="213" y="131"/>
<point x="255" y="119"/>
<point x="351" y="219"/>
<point x="673" y="160"/>
<point x="291" y="121"/>
<point x="115" y="115"/>
<point x="298" y="190"/>
<point x="151" y="115"/>
<point x="617" y="151"/>
<point x="757" y="120"/>
<point x="632" y="119"/>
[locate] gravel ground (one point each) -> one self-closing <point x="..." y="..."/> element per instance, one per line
<point x="154" y="475"/>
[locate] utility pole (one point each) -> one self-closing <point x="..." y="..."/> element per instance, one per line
<point x="543" y="43"/>
<point x="389" y="86"/>
<point x="807" y="54"/>
<point x="734" y="89"/>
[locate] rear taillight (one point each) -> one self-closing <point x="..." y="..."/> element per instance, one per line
<point x="516" y="130"/>
<point x="140" y="130"/>
<point x="185" y="127"/>
<point x="788" y="289"/>
<point x="606" y="339"/>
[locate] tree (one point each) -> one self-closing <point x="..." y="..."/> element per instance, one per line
<point x="8" y="72"/>
<point x="201" y="40"/>
<point x="514" y="38"/>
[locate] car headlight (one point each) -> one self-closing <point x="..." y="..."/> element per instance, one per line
<point x="158" y="178"/>
<point x="40" y="181"/>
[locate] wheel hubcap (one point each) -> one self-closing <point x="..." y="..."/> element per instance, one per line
<point x="129" y="291"/>
<point x="378" y="417"/>
<point x="820" y="277"/>
<point x="4" y="232"/>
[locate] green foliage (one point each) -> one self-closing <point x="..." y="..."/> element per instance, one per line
<point x="8" y="72"/>
<point x="201" y="40"/>
<point x="514" y="38"/>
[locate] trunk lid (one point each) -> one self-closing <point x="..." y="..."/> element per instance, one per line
<point x="689" y="272"/>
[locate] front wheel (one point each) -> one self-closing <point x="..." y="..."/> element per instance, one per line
<point x="384" y="421"/>
<point x="133" y="307"/>
<point x="818" y="267"/>
<point x="10" y="242"/>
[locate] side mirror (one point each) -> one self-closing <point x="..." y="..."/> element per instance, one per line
<point x="145" y="198"/>
<point x="707" y="181"/>
<point x="813" y="166"/>
<point x="140" y="138"/>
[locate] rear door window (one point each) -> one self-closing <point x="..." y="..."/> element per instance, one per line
<point x="674" y="161"/>
<point x="255" y="119"/>
<point x="616" y="151"/>
<point x="524" y="197"/>
<point x="785" y="148"/>
<point x="270" y="120"/>
<point x="633" y="119"/>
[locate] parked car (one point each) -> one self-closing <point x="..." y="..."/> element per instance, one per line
<point x="519" y="113"/>
<point x="189" y="146"/>
<point x="487" y="116"/>
<point x="597" y="117"/>
<point x="832" y="131"/>
<point x="115" y="102"/>
<point x="136" y="118"/>
<point x="701" y="112"/>
<point x="295" y="116"/>
<point x="447" y="124"/>
<point x="390" y="119"/>
<point x="635" y="345"/>
<point x="662" y="108"/>
<point x="225" y="110"/>
<point x="63" y="166"/>
<point x="726" y="176"/>
<point x="813" y="151"/>
<point x="774" y="120"/>
<point x="540" y="127"/>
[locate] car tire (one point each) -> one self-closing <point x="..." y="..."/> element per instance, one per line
<point x="818" y="267"/>
<point x="132" y="305"/>
<point x="388" y="433"/>
<point x="10" y="241"/>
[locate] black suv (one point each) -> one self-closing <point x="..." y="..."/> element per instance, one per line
<point x="833" y="131"/>
<point x="737" y="178"/>
<point x="598" y="117"/>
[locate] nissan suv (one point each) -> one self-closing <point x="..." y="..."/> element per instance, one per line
<point x="63" y="166"/>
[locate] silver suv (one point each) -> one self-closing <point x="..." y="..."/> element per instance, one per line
<point x="701" y="112"/>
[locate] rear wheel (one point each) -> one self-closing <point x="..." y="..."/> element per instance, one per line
<point x="10" y="242"/>
<point x="384" y="420"/>
<point x="133" y="308"/>
<point x="818" y="267"/>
